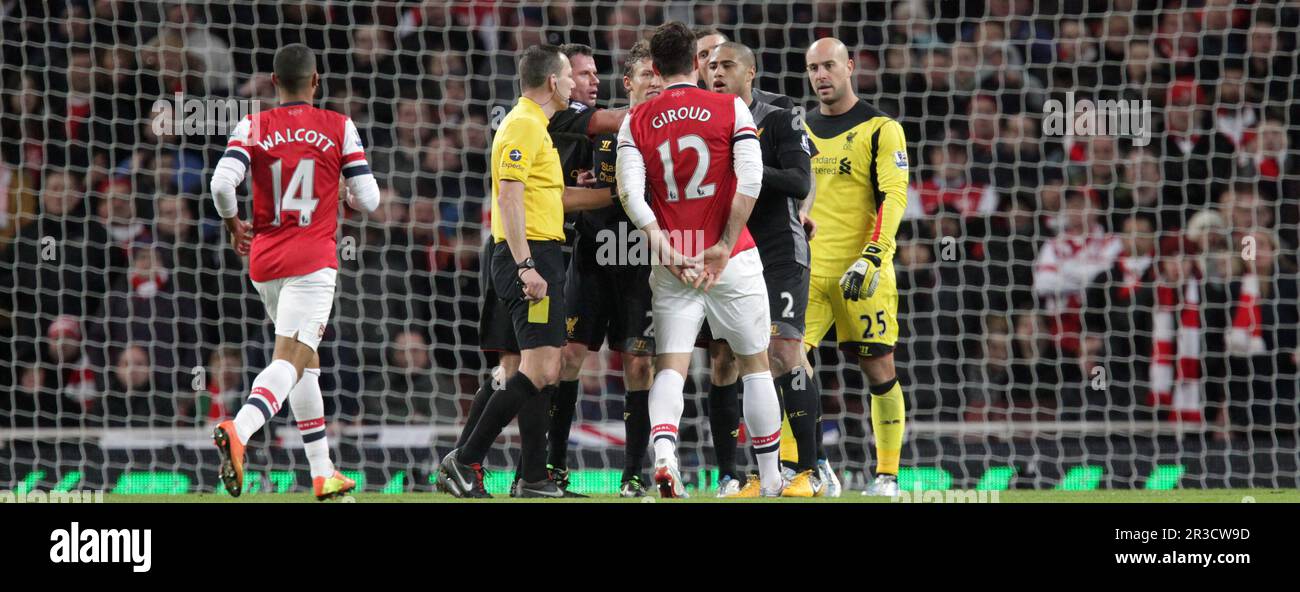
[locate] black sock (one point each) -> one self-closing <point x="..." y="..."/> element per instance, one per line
<point x="801" y="409"/>
<point x="498" y="412"/>
<point x="561" y="416"/>
<point x="724" y="423"/>
<point x="475" y="412"/>
<point x="636" y="422"/>
<point x="533" y="424"/>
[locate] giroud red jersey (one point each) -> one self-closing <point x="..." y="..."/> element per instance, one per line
<point x="685" y="137"/>
<point x="296" y="154"/>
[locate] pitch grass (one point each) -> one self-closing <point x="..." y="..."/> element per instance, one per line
<point x="1016" y="496"/>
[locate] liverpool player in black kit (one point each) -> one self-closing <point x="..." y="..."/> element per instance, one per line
<point x="783" y="246"/>
<point x="708" y="39"/>
<point x="608" y="300"/>
<point x="571" y="131"/>
<point x="724" y="384"/>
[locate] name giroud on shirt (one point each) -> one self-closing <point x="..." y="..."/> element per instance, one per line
<point x="681" y="113"/>
<point x="309" y="136"/>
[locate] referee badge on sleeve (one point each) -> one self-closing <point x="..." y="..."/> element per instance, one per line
<point x="900" y="159"/>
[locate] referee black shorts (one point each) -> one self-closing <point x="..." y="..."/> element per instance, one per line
<point x="495" y="330"/>
<point x="536" y="324"/>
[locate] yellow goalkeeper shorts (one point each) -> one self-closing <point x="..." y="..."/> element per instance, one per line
<point x="867" y="327"/>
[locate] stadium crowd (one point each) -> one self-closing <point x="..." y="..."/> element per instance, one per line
<point x="1042" y="276"/>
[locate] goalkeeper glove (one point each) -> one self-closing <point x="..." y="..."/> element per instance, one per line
<point x="865" y="273"/>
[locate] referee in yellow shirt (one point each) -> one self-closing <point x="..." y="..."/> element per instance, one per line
<point x="859" y="165"/>
<point x="527" y="273"/>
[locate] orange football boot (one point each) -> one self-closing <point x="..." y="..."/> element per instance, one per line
<point x="232" y="457"/>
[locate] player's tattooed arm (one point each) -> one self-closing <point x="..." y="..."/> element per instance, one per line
<point x="605" y="121"/>
<point x="577" y="199"/>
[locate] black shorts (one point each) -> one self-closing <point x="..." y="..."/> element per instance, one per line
<point x="787" y="299"/>
<point x="608" y="302"/>
<point x="495" y="331"/>
<point x="547" y="327"/>
<point x="787" y="303"/>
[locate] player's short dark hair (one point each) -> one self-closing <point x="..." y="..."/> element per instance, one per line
<point x="639" y="51"/>
<point x="672" y="47"/>
<point x="573" y="49"/>
<point x="744" y="54"/>
<point x="702" y="32"/>
<point x="294" y="66"/>
<point x="538" y="63"/>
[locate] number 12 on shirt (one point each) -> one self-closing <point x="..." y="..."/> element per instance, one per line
<point x="693" y="188"/>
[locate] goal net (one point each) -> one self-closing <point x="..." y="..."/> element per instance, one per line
<point x="1097" y="269"/>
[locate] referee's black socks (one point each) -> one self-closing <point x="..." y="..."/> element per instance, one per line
<point x="502" y="407"/>
<point x="563" y="407"/>
<point x="533" y="423"/>
<point x="481" y="398"/>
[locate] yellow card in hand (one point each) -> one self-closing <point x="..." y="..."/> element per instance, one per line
<point x="540" y="311"/>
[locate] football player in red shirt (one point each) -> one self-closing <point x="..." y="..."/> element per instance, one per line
<point x="296" y="154"/>
<point x="698" y="154"/>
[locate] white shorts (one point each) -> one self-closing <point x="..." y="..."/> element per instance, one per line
<point x="736" y="308"/>
<point x="300" y="305"/>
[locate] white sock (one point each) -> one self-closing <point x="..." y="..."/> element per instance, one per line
<point x="666" y="405"/>
<point x="763" y="422"/>
<point x="309" y="411"/>
<point x="270" y="387"/>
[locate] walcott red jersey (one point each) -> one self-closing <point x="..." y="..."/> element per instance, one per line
<point x="296" y="154"/>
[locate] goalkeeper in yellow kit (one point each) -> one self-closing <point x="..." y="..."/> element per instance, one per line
<point x="859" y="167"/>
